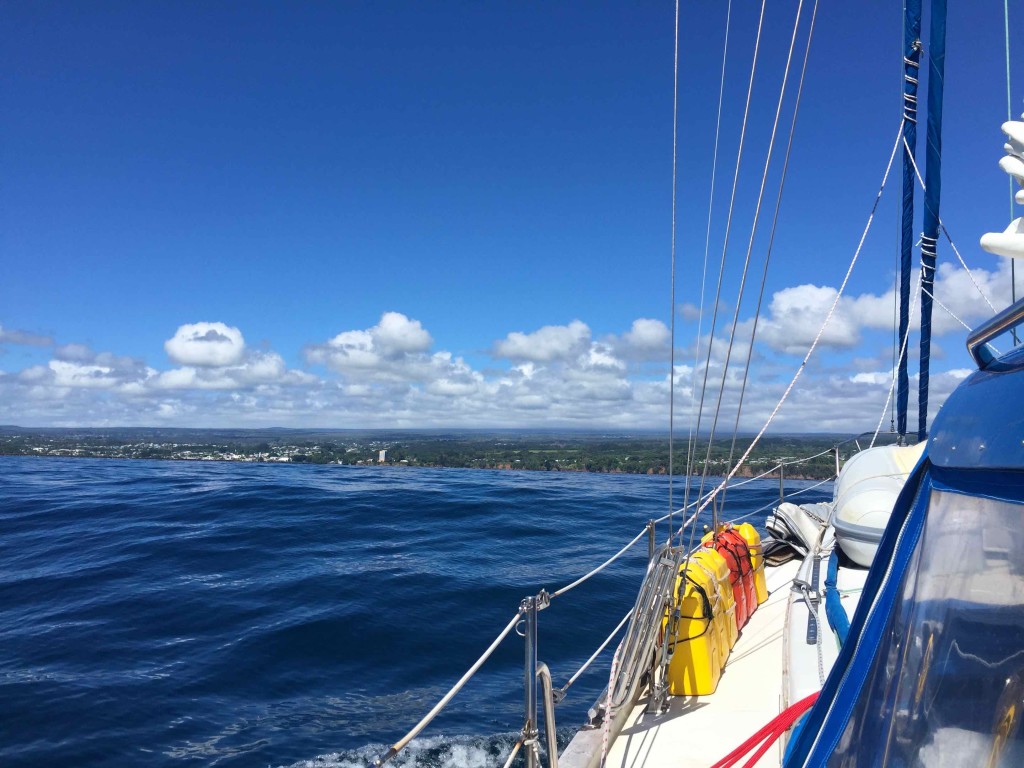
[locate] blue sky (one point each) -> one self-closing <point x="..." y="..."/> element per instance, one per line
<point x="374" y="215"/>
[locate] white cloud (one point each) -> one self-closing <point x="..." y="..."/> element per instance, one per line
<point x="389" y="375"/>
<point x="795" y="314"/>
<point x="67" y="374"/>
<point x="206" y="344"/>
<point x="872" y="377"/>
<point x="396" y="334"/>
<point x="647" y="334"/>
<point x="257" y="368"/>
<point x="386" y="349"/>
<point x="550" y="343"/>
<point x="646" y="339"/>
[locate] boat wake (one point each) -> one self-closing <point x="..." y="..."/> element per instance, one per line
<point x="488" y="751"/>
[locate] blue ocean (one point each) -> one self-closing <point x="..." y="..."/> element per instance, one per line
<point x="201" y="613"/>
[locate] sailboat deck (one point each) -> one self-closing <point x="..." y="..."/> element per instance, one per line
<point x="699" y="730"/>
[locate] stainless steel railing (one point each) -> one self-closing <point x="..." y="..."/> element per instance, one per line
<point x="640" y="653"/>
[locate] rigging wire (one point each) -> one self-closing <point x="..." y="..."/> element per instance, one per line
<point x="771" y="236"/>
<point x="949" y="312"/>
<point x="949" y="238"/>
<point x="750" y="249"/>
<point x="725" y="244"/>
<point x="964" y="264"/>
<point x="814" y="344"/>
<point x="903" y="351"/>
<point x="895" y="329"/>
<point x="672" y="290"/>
<point x="691" y="441"/>
<point x="1009" y="116"/>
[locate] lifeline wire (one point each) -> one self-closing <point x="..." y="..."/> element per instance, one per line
<point x="817" y="338"/>
<point x="632" y="542"/>
<point x="399" y="745"/>
<point x="740" y="484"/>
<point x="596" y="653"/>
<point x="601" y="567"/>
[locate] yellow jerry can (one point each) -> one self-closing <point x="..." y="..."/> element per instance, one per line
<point x="715" y="565"/>
<point x="700" y="642"/>
<point x="753" y="539"/>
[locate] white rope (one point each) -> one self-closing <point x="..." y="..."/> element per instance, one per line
<point x="949" y="312"/>
<point x="945" y="231"/>
<point x="512" y="755"/>
<point x="817" y="338"/>
<point x="687" y="522"/>
<point x="964" y="265"/>
<point x="597" y="653"/>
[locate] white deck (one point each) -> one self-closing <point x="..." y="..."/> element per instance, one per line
<point x="699" y="730"/>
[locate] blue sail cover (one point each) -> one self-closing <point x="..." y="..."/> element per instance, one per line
<point x="911" y="65"/>
<point x="933" y="671"/>
<point x="933" y="188"/>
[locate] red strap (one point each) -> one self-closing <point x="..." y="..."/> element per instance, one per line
<point x="769" y="734"/>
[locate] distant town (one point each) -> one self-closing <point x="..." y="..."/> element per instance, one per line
<point x="640" y="453"/>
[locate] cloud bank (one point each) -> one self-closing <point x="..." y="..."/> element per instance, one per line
<point x="394" y="374"/>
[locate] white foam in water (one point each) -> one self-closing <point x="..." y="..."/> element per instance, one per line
<point x="432" y="752"/>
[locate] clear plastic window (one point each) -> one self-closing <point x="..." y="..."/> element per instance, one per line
<point x="947" y="685"/>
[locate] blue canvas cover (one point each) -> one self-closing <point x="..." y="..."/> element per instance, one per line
<point x="933" y="671"/>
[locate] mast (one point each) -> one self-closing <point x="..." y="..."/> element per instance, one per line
<point x="911" y="67"/>
<point x="933" y="188"/>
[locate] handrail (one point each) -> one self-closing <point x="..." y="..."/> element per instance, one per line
<point x="544" y="675"/>
<point x="642" y="636"/>
<point x="1005" y="321"/>
<point x="601" y="567"/>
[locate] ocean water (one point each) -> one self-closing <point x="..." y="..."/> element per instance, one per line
<point x="201" y="613"/>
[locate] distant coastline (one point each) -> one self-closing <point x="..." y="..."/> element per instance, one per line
<point x="606" y="453"/>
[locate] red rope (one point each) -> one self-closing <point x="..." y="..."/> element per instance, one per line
<point x="769" y="734"/>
